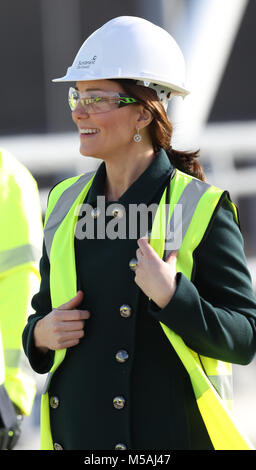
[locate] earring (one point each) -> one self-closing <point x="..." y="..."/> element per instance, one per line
<point x="137" y="137"/>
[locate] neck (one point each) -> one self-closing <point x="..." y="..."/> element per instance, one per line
<point x="123" y="169"/>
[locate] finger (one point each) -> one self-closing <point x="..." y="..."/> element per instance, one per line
<point x="68" y="344"/>
<point x="64" y="339"/>
<point x="74" y="302"/>
<point x="71" y="325"/>
<point x="139" y="254"/>
<point x="70" y="336"/>
<point x="172" y="257"/>
<point x="146" y="248"/>
<point x="72" y="315"/>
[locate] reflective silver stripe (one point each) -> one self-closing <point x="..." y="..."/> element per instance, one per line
<point x="47" y="382"/>
<point x="223" y="384"/>
<point x="188" y="200"/>
<point x="62" y="207"/>
<point x="16" y="358"/>
<point x="12" y="357"/>
<point x="8" y="414"/>
<point x="17" y="256"/>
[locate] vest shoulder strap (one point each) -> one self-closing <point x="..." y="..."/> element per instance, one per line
<point x="61" y="200"/>
<point x="56" y="192"/>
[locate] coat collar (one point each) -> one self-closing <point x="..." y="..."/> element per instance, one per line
<point x="143" y="190"/>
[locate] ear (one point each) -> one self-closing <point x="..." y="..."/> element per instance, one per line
<point x="144" y="117"/>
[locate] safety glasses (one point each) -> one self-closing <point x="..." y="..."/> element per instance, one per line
<point x="98" y="104"/>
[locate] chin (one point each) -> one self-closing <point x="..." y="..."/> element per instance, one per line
<point x="87" y="153"/>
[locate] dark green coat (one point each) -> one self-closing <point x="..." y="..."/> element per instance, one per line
<point x="215" y="315"/>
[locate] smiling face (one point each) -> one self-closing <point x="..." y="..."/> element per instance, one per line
<point x="103" y="134"/>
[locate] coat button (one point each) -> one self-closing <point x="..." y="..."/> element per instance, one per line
<point x="119" y="403"/>
<point x="117" y="212"/>
<point x="133" y="264"/>
<point x="122" y="355"/>
<point x="120" y="446"/>
<point x="95" y="212"/>
<point x="54" y="402"/>
<point x="57" y="446"/>
<point x="125" y="311"/>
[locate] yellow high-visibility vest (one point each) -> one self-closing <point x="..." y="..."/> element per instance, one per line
<point x="211" y="379"/>
<point x="21" y="237"/>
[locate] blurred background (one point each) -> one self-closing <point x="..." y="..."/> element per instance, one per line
<point x="38" y="41"/>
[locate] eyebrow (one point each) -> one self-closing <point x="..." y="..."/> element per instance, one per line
<point x="91" y="89"/>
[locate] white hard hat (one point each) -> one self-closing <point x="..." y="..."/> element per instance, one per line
<point x="134" y="48"/>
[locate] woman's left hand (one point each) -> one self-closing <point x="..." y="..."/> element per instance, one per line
<point x="155" y="277"/>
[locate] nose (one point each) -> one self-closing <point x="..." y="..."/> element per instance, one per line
<point x="80" y="111"/>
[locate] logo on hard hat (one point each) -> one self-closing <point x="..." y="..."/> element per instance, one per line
<point x="85" y="64"/>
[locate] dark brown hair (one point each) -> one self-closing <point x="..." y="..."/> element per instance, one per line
<point x="161" y="129"/>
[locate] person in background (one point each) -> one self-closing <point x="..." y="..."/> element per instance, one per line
<point x="20" y="244"/>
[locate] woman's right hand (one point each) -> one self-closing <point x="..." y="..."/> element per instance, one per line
<point x="63" y="327"/>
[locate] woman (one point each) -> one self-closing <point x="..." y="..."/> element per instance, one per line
<point x="116" y="382"/>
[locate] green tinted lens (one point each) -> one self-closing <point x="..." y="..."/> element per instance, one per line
<point x="92" y="104"/>
<point x="73" y="97"/>
<point x="97" y="104"/>
<point x="103" y="105"/>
